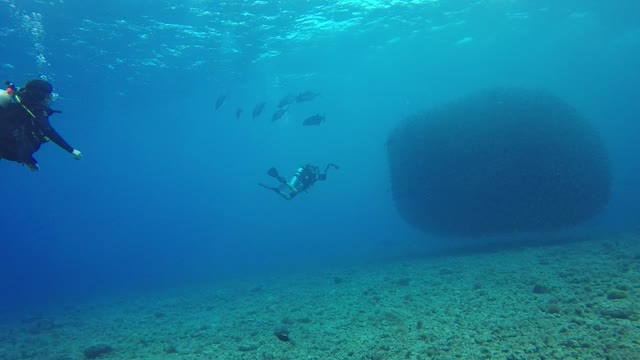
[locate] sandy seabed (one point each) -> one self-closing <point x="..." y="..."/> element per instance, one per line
<point x="573" y="301"/>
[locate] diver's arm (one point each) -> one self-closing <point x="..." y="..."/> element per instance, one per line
<point x="323" y="176"/>
<point x="42" y="120"/>
<point x="331" y="165"/>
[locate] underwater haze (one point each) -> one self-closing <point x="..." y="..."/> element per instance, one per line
<point x="167" y="193"/>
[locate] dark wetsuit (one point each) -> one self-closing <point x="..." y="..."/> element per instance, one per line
<point x="21" y="134"/>
<point x="308" y="177"/>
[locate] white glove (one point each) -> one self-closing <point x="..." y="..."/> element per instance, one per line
<point x="76" y="154"/>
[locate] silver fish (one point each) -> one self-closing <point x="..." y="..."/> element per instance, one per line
<point x="278" y="114"/>
<point x="258" y="109"/>
<point x="220" y="101"/>
<point x="287" y="100"/>
<point x="314" y="120"/>
<point x="306" y="96"/>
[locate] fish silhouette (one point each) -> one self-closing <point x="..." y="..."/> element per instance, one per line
<point x="238" y="113"/>
<point x="278" y="114"/>
<point x="258" y="109"/>
<point x="313" y="120"/>
<point x="306" y="96"/>
<point x="287" y="100"/>
<point x="220" y="101"/>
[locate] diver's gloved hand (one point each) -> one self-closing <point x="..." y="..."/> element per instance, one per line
<point x="76" y="154"/>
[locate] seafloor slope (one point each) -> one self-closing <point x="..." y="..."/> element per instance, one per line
<point x="575" y="301"/>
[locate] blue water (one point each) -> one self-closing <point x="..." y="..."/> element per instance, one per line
<point x="167" y="194"/>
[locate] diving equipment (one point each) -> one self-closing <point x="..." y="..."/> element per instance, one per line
<point x="6" y="96"/>
<point x="273" y="172"/>
<point x="295" y="184"/>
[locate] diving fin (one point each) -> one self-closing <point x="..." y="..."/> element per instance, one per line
<point x="273" y="172"/>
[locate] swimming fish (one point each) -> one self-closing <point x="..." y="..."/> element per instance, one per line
<point x="238" y="113"/>
<point x="287" y="100"/>
<point x="313" y="120"/>
<point x="258" y="109"/>
<point x="278" y="114"/>
<point x="220" y="101"/>
<point x="306" y="96"/>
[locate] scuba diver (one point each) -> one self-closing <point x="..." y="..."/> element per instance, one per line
<point x="301" y="181"/>
<point x="24" y="122"/>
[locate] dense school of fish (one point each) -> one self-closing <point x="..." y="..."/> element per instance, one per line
<point x="283" y="107"/>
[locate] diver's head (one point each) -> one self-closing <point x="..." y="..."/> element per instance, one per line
<point x="37" y="90"/>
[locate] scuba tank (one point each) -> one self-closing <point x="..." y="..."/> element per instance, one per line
<point x="294" y="183"/>
<point x="5" y="97"/>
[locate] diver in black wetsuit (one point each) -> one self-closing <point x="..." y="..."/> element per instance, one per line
<point x="304" y="178"/>
<point x="25" y="126"/>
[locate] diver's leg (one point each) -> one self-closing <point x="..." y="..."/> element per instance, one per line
<point x="32" y="163"/>
<point x="276" y="190"/>
<point x="9" y="152"/>
<point x="273" y="172"/>
<point x="32" y="167"/>
<point x="8" y="149"/>
<point x="268" y="187"/>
